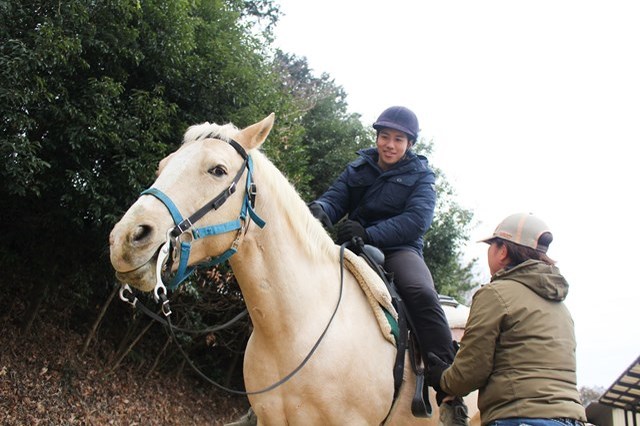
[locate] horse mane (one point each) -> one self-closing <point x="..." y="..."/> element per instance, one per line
<point x="210" y="130"/>
<point x="312" y="236"/>
<point x="307" y="229"/>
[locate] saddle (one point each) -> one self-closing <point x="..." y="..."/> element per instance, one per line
<point x="405" y="338"/>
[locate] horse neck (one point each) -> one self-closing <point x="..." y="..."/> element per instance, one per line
<point x="289" y="268"/>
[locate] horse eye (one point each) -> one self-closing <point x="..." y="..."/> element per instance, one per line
<point x="217" y="171"/>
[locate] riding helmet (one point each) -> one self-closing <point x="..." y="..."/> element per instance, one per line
<point x="399" y="118"/>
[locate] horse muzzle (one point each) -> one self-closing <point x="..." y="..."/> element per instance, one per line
<point x="134" y="263"/>
<point x="143" y="277"/>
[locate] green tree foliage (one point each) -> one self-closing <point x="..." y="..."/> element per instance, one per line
<point x="443" y="244"/>
<point x="333" y="136"/>
<point x="283" y="146"/>
<point x="92" y="95"/>
<point x="329" y="133"/>
<point x="590" y="394"/>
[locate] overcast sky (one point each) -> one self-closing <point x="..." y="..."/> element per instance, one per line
<point x="532" y="107"/>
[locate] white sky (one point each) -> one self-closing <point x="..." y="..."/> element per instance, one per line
<point x="532" y="106"/>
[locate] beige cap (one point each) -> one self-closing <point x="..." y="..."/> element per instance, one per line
<point x="524" y="229"/>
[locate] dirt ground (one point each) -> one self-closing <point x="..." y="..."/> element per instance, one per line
<point x="44" y="381"/>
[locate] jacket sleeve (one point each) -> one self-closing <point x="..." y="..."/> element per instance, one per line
<point x="335" y="200"/>
<point x="473" y="363"/>
<point x="414" y="220"/>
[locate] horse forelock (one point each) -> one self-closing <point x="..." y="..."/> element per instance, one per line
<point x="305" y="227"/>
<point x="210" y="130"/>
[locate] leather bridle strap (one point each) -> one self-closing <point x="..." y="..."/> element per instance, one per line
<point x="219" y="200"/>
<point x="183" y="225"/>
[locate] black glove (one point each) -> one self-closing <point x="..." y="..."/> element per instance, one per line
<point x="435" y="368"/>
<point x="349" y="229"/>
<point x="318" y="212"/>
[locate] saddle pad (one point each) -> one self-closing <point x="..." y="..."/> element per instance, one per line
<point x="375" y="290"/>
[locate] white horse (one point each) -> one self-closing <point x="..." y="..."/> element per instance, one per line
<point x="290" y="277"/>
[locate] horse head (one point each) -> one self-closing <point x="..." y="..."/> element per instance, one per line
<point x="197" y="182"/>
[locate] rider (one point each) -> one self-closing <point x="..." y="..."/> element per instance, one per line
<point x="519" y="347"/>
<point x="388" y="196"/>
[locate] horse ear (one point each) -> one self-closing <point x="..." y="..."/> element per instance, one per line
<point x="253" y="136"/>
<point x="163" y="163"/>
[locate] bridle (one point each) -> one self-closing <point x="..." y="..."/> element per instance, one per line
<point x="174" y="244"/>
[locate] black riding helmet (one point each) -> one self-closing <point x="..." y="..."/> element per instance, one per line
<point x="399" y="118"/>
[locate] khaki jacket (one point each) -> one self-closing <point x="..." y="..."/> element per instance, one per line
<point x="519" y="347"/>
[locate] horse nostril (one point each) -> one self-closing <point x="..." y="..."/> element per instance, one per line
<point x="141" y="233"/>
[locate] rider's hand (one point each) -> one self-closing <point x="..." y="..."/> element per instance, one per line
<point x="349" y="229"/>
<point x="318" y="212"/>
<point x="435" y="368"/>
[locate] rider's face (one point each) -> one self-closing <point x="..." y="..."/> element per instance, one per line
<point x="392" y="146"/>
<point x="497" y="257"/>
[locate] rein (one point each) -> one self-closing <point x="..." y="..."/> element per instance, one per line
<point x="126" y="295"/>
<point x="166" y="310"/>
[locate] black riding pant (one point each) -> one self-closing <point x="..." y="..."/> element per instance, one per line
<point x="414" y="283"/>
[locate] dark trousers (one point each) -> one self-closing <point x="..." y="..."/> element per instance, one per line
<point x="414" y="283"/>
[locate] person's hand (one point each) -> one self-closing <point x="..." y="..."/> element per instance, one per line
<point x="349" y="229"/>
<point x="435" y="368"/>
<point x="318" y="212"/>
